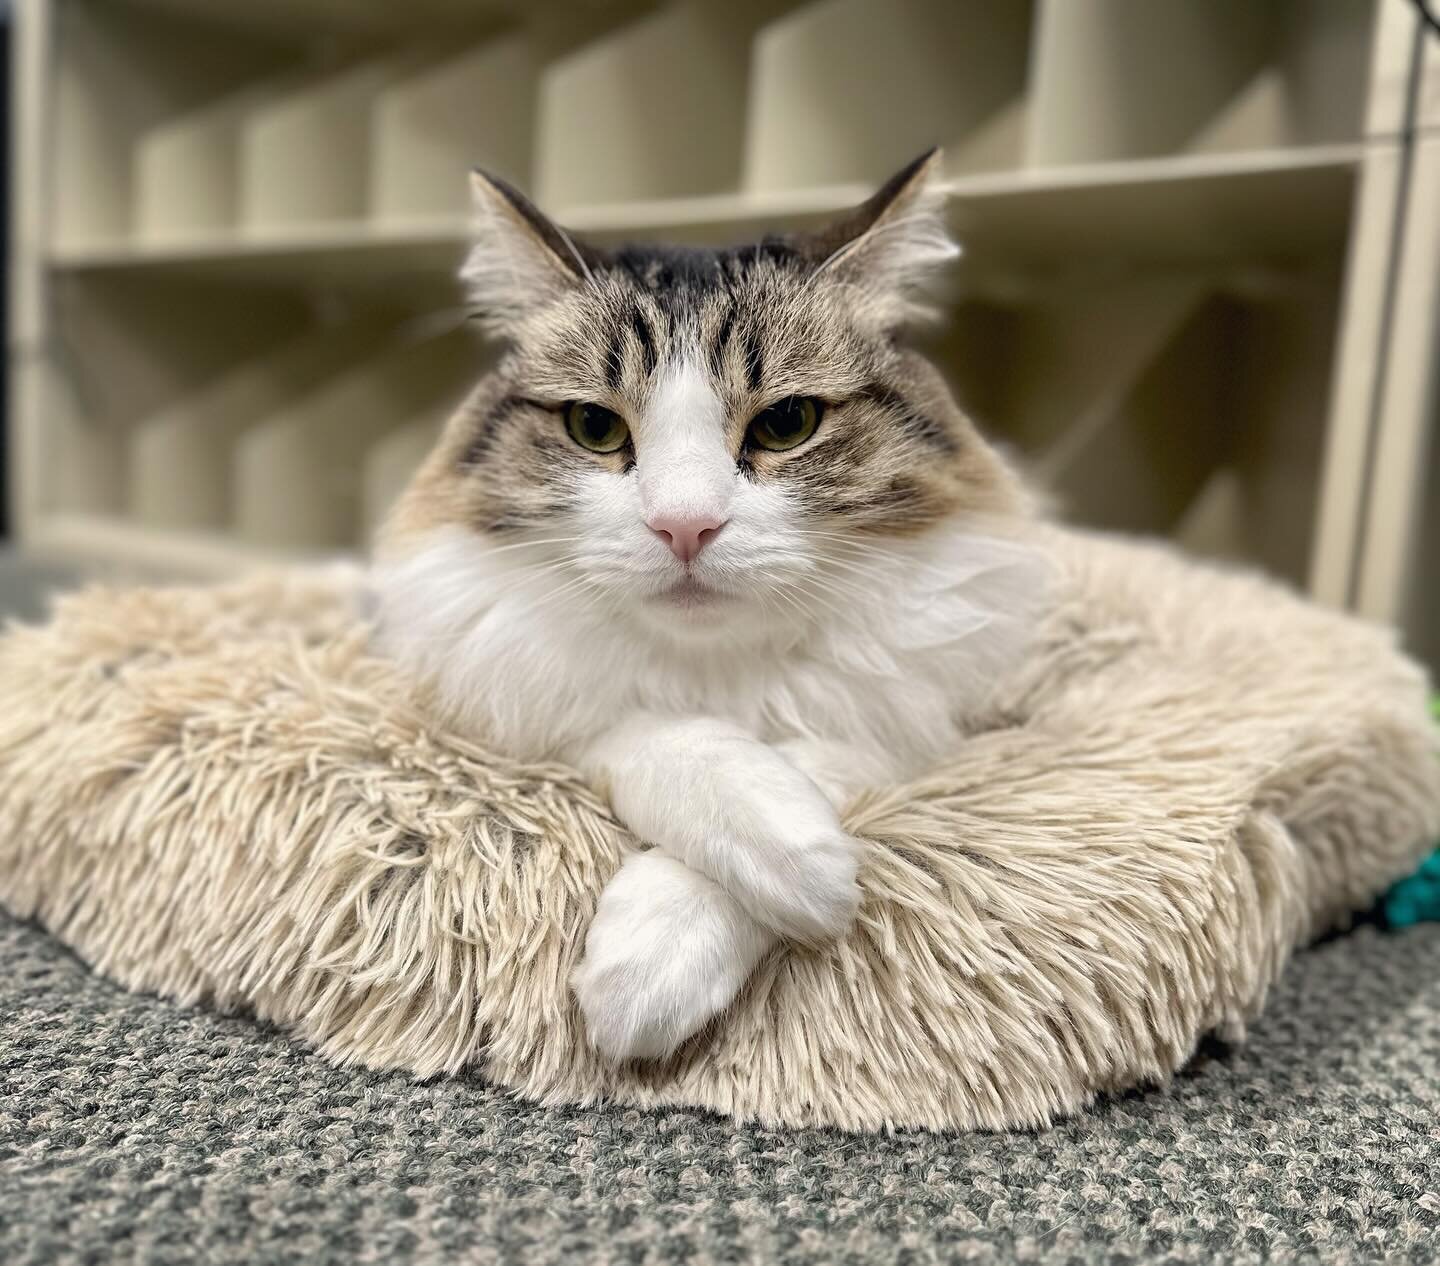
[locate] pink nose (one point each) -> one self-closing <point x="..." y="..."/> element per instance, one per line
<point x="686" y="537"/>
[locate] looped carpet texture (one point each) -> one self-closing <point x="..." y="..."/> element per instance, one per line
<point x="220" y="795"/>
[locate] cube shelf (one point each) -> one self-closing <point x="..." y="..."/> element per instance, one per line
<point x="1179" y="215"/>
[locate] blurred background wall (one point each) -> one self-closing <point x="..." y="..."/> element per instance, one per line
<point x="1201" y="294"/>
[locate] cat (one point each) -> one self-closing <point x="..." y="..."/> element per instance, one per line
<point x="716" y="534"/>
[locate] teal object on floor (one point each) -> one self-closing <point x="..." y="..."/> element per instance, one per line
<point x="1416" y="899"/>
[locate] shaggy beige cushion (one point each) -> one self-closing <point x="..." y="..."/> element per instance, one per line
<point x="219" y="795"/>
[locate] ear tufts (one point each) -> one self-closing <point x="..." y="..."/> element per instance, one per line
<point x="894" y="245"/>
<point x="521" y="259"/>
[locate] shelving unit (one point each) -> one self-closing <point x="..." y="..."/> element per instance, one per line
<point x="238" y="223"/>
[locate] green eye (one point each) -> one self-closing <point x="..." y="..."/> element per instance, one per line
<point x="786" y="423"/>
<point x="595" y="427"/>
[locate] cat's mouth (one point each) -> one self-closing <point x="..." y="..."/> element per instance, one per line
<point x="689" y="593"/>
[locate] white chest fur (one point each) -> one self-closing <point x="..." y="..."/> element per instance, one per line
<point x="535" y="674"/>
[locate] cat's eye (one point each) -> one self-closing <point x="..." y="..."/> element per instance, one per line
<point x="786" y="424"/>
<point x="595" y="427"/>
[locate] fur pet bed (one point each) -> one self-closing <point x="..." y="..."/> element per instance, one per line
<point x="218" y="794"/>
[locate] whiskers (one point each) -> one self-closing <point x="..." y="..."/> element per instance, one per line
<point x="829" y="576"/>
<point x="475" y="578"/>
<point x="531" y="544"/>
<point x="837" y="578"/>
<point x="577" y="586"/>
<point x="796" y="582"/>
<point x="546" y="585"/>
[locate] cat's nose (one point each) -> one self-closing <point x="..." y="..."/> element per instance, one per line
<point x="686" y="536"/>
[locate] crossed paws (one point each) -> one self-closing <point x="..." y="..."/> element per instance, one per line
<point x="674" y="939"/>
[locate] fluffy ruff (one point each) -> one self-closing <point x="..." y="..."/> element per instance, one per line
<point x="221" y="795"/>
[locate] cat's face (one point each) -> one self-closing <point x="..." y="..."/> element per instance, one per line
<point x="702" y="441"/>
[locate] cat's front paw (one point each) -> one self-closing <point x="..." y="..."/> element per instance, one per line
<point x="812" y="893"/>
<point x="796" y="871"/>
<point x="667" y="951"/>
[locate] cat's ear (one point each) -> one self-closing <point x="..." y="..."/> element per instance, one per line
<point x="520" y="259"/>
<point x="893" y="246"/>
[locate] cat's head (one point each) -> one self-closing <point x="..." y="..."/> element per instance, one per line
<point x="704" y="442"/>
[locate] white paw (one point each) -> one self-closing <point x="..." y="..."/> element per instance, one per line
<point x="809" y="890"/>
<point x="795" y="870"/>
<point x="667" y="951"/>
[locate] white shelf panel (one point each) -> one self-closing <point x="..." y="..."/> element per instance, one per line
<point x="848" y="90"/>
<point x="106" y="541"/>
<point x="298" y="473"/>
<point x="1201" y="207"/>
<point x="181" y="459"/>
<point x="1120" y="79"/>
<point x="188" y="169"/>
<point x="475" y="109"/>
<point x="1126" y="78"/>
<point x="621" y="116"/>
<point x="306" y="156"/>
<point x="310" y="18"/>
<point x="124" y="74"/>
<point x="187" y="175"/>
<point x="1163" y="404"/>
<point x="1119" y="466"/>
<point x="1087" y="359"/>
<point x="1208" y="206"/>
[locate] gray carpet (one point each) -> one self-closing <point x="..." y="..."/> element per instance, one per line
<point x="133" y="1130"/>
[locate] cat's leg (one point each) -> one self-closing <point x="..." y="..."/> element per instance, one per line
<point x="666" y="952"/>
<point x="734" y="809"/>
<point x="840" y="770"/>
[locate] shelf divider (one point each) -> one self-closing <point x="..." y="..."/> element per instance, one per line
<point x="305" y="157"/>
<point x="298" y="474"/>
<point x="848" y="90"/>
<point x="473" y="109"/>
<point x="620" y="118"/>
<point x="181" y="460"/>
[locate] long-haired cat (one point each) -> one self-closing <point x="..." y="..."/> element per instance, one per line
<point x="716" y="534"/>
